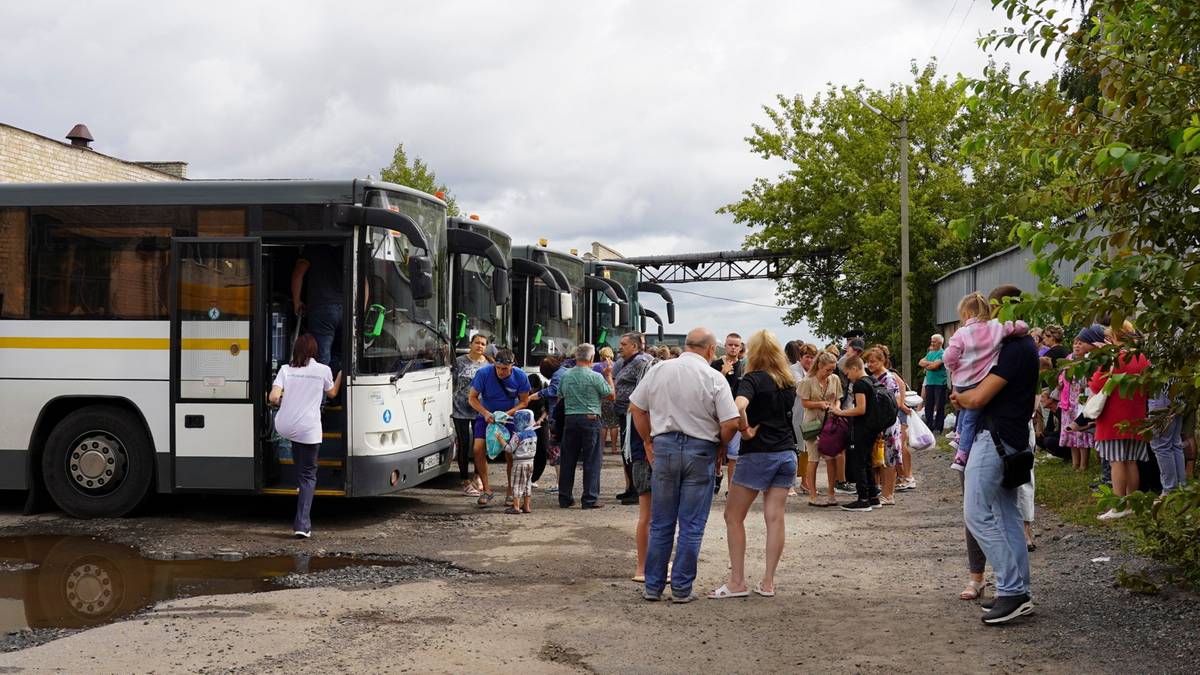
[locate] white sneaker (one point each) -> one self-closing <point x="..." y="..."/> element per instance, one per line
<point x="957" y="467"/>
<point x="1107" y="515"/>
<point x="1121" y="514"/>
<point x="302" y="535"/>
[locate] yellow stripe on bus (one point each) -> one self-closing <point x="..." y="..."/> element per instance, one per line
<point x="83" y="343"/>
<point x="294" y="491"/>
<point x="140" y="344"/>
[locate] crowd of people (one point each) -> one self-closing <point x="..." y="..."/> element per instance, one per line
<point x="759" y="418"/>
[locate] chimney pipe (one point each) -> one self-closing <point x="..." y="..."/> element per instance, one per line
<point x="80" y="137"/>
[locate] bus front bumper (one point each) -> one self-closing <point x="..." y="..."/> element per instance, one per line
<point x="372" y="475"/>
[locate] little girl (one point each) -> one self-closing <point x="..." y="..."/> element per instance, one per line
<point x="523" y="448"/>
<point x="972" y="352"/>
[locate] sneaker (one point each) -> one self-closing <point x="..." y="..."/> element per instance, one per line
<point x="875" y="503"/>
<point x="857" y="505"/>
<point x="553" y="490"/>
<point x="953" y="444"/>
<point x="845" y="488"/>
<point x="910" y="483"/>
<point x="958" y="467"/>
<point x="1113" y="514"/>
<point x="1005" y="608"/>
<point x="902" y="487"/>
<point x="302" y="535"/>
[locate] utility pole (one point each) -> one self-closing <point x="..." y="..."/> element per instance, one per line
<point x="905" y="318"/>
<point x="905" y="315"/>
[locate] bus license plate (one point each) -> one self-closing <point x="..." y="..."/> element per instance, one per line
<point x="431" y="462"/>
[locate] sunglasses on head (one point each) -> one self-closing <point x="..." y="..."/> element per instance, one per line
<point x="503" y="362"/>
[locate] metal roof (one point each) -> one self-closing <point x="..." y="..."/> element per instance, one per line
<point x="284" y="191"/>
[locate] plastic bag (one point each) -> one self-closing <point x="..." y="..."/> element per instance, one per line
<point x="919" y="435"/>
<point x="951" y="422"/>
<point x="495" y="446"/>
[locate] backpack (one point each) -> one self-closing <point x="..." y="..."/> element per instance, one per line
<point x="881" y="408"/>
<point x="835" y="436"/>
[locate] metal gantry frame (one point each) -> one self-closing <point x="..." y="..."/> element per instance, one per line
<point x="681" y="268"/>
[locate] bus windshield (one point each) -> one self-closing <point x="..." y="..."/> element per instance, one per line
<point x="474" y="300"/>
<point x="559" y="336"/>
<point x="412" y="329"/>
<point x="610" y="327"/>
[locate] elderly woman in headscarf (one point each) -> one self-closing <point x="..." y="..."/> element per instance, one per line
<point x="1078" y="439"/>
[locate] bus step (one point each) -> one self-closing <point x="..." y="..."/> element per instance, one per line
<point x="328" y="476"/>
<point x="320" y="462"/>
<point x="295" y="491"/>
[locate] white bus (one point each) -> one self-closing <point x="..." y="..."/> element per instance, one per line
<point x="141" y="326"/>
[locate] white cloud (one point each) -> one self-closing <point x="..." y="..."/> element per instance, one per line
<point x="617" y="121"/>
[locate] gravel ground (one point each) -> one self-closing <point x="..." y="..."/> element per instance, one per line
<point x="550" y="592"/>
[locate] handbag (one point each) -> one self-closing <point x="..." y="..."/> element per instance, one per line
<point x="1017" y="466"/>
<point x="1095" y="406"/>
<point x="811" y="429"/>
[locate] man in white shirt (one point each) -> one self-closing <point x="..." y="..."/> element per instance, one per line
<point x="684" y="411"/>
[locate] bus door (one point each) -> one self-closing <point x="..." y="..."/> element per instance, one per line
<point x="216" y="362"/>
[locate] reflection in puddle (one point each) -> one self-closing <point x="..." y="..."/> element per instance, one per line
<point x="78" y="582"/>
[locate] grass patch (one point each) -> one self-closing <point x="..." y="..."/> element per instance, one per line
<point x="1060" y="488"/>
<point x="1068" y="492"/>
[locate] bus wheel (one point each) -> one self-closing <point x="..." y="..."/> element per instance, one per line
<point x="98" y="463"/>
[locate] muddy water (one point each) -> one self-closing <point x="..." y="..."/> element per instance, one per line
<point x="78" y="582"/>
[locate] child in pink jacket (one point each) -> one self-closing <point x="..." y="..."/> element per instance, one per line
<point x="972" y="352"/>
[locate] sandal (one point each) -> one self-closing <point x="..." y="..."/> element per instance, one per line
<point x="766" y="594"/>
<point x="484" y="498"/>
<point x="972" y="590"/>
<point x="471" y="491"/>
<point x="723" y="592"/>
<point x="512" y="510"/>
<point x="640" y="578"/>
<point x="508" y="501"/>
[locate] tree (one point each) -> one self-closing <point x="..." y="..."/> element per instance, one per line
<point x="1126" y="158"/>
<point x="838" y="204"/>
<point x="416" y="175"/>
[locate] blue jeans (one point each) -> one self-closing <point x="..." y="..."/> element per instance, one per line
<point x="992" y="516"/>
<point x="581" y="444"/>
<point x="305" y="457"/>
<point x="1168" y="450"/>
<point x="323" y="322"/>
<point x="682" y="492"/>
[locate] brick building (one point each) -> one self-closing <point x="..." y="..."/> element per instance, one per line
<point x="26" y="157"/>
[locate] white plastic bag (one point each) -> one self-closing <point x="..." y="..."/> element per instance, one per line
<point x="951" y="422"/>
<point x="919" y="435"/>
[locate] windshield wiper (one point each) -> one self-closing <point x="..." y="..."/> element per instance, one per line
<point x="404" y="371"/>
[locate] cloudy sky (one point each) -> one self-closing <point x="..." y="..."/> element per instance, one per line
<point x="619" y="121"/>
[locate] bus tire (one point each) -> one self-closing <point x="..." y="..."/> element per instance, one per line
<point x="98" y="463"/>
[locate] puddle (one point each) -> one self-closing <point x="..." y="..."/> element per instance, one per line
<point x="64" y="582"/>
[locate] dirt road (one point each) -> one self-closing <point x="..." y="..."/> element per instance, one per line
<point x="857" y="593"/>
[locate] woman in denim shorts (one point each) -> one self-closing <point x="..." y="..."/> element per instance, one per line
<point x="766" y="461"/>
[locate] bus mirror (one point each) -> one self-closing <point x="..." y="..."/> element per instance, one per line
<point x="500" y="285"/>
<point x="566" y="308"/>
<point x="616" y="315"/>
<point x="420" y="276"/>
<point x="373" y="322"/>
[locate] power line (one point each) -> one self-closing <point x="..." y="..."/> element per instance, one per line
<point x="943" y="28"/>
<point x="958" y="30"/>
<point x="740" y="302"/>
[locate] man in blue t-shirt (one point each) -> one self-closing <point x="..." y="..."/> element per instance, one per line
<point x="498" y="387"/>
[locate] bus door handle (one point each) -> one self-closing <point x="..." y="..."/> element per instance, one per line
<point x="193" y="421"/>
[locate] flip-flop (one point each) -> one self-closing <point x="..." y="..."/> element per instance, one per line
<point x="723" y="592"/>
<point x="766" y="594"/>
<point x="484" y="498"/>
<point x="512" y="510"/>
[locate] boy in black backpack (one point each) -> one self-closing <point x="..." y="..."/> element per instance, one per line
<point x="862" y="438"/>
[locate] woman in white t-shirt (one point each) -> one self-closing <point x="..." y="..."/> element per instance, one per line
<point x="304" y="380"/>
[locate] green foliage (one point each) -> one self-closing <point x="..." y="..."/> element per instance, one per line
<point x="1121" y="138"/>
<point x="838" y="203"/>
<point x="1167" y="529"/>
<point x="416" y="175"/>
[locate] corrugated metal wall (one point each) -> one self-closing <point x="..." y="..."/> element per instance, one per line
<point x="1007" y="267"/>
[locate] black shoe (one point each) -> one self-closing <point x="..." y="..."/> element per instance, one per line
<point x="844" y="488"/>
<point x="717" y="487"/>
<point x="857" y="505"/>
<point x="1005" y="608"/>
<point x="626" y="495"/>
<point x="630" y="500"/>
<point x="874" y="503"/>
<point x="566" y="505"/>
